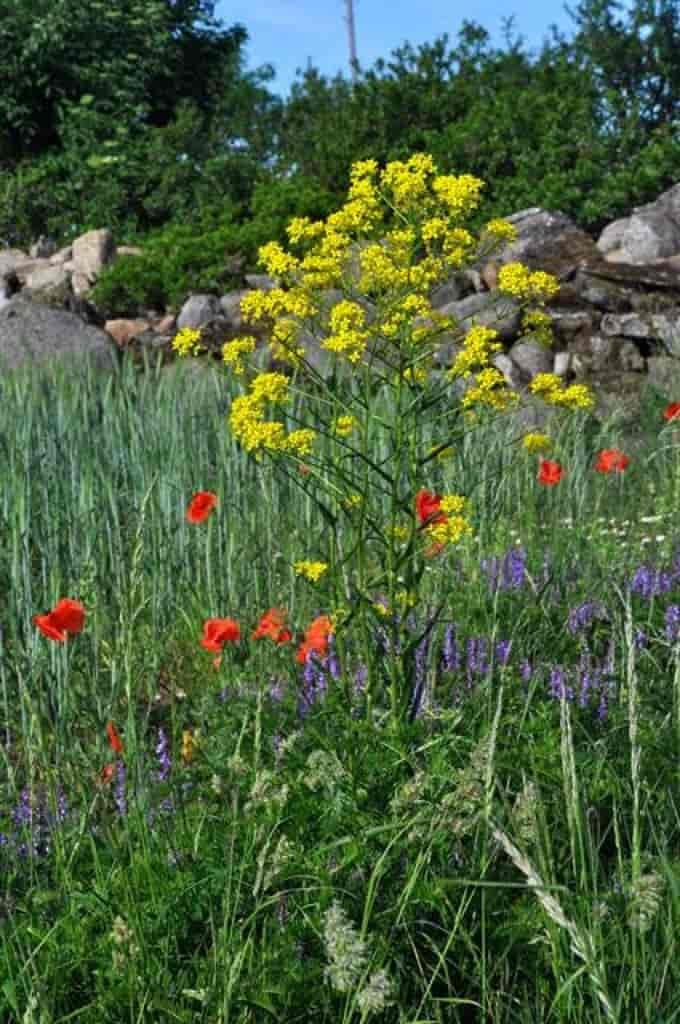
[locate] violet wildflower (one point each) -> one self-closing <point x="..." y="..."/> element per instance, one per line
<point x="451" y="656"/>
<point x="643" y="582"/>
<point x="525" y="670"/>
<point x="119" y="792"/>
<point x="502" y="652"/>
<point x="514" y="567"/>
<point x="640" y="639"/>
<point x="673" y="622"/>
<point x="558" y="688"/>
<point x="582" y="616"/>
<point x="163" y="755"/>
<point x="332" y="658"/>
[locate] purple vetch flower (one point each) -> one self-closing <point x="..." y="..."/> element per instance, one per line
<point x="332" y="658"/>
<point x="451" y="656"/>
<point x="502" y="653"/>
<point x="23" y="812"/>
<point x="119" y="792"/>
<point x="558" y="688"/>
<point x="314" y="683"/>
<point x="163" y="755"/>
<point x="582" y="616"/>
<point x="525" y="670"/>
<point x="640" y="640"/>
<point x="673" y="622"/>
<point x="360" y="678"/>
<point x="514" y="568"/>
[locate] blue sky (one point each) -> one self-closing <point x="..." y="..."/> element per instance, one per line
<point x="285" y="33"/>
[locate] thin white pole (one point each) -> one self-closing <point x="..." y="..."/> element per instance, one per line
<point x="352" y="39"/>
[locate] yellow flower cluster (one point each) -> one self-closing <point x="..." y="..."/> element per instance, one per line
<point x="253" y="432"/>
<point x="187" y="342"/>
<point x="460" y="194"/>
<point x="233" y="352"/>
<point x="490" y="391"/>
<point x="283" y="337"/>
<point x="401" y="533"/>
<point x="378" y="270"/>
<point x="537" y="442"/>
<point x="312" y="571"/>
<point x="404" y="311"/>
<point x="450" y="531"/>
<point x="415" y="375"/>
<point x="347" y="337"/>
<point x="475" y="352"/>
<point x="548" y="386"/>
<point x="518" y="280"/>
<point x="270" y="387"/>
<point x="455" y="507"/>
<point x="275" y="260"/>
<point x="302" y="229"/>
<point x="256" y="305"/>
<point x="344" y="425"/>
<point x="351" y="501"/>
<point x="300" y="441"/>
<point x="408" y="182"/>
<point x="501" y="229"/>
<point x="539" y="323"/>
<point x="250" y="428"/>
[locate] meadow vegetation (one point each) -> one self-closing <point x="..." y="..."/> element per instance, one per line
<point x="339" y="700"/>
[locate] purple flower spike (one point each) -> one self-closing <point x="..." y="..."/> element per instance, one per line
<point x="673" y="622"/>
<point x="163" y="755"/>
<point x="119" y="793"/>
<point x="451" y="656"/>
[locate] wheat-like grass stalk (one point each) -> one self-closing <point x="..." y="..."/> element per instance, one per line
<point x="581" y="942"/>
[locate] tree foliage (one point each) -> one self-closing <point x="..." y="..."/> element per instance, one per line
<point x="139" y="115"/>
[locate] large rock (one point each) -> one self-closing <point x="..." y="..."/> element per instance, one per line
<point x="31" y="332"/>
<point x="615" y="320"/>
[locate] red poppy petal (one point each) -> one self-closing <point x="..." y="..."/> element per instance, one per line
<point x="68" y="615"/>
<point x="49" y="628"/>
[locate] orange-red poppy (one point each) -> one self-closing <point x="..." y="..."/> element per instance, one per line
<point x="272" y="624"/>
<point x="115" y="742"/>
<point x="316" y="638"/>
<point x="67" y="616"/>
<point x="200" y="506"/>
<point x="218" y="632"/>
<point x="550" y="472"/>
<point x="106" y="774"/>
<point x="427" y="507"/>
<point x="611" y="460"/>
<point x="672" y="411"/>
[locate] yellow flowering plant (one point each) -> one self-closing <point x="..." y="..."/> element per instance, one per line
<point x="365" y="431"/>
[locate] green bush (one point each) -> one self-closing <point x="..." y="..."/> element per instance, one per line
<point x="211" y="255"/>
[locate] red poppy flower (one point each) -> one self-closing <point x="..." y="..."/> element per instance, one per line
<point x="427" y="507"/>
<point x="106" y="774"/>
<point x="67" y="616"/>
<point x="218" y="632"/>
<point x="550" y="472"/>
<point x="200" y="506"/>
<point x="672" y="411"/>
<point x="611" y="459"/>
<point x="271" y="624"/>
<point x="316" y="638"/>
<point x="115" y="742"/>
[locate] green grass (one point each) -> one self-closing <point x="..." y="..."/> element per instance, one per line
<point x="509" y="856"/>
